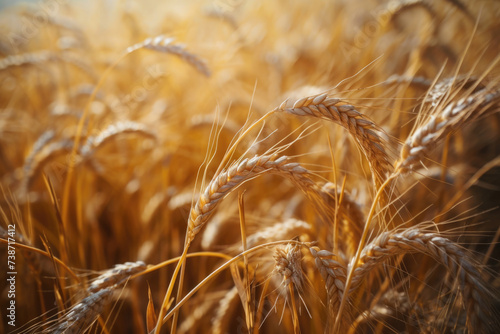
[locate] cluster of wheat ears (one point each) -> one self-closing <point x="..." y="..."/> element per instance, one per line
<point x="235" y="166"/>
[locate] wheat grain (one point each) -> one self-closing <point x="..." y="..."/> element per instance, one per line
<point x="445" y="86"/>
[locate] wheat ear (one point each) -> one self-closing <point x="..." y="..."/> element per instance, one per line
<point x="31" y="58"/>
<point x="83" y="314"/>
<point x="114" y="130"/>
<point x="442" y="250"/>
<point x="40" y="157"/>
<point x="454" y="115"/>
<point x="365" y="132"/>
<point x="288" y="264"/>
<point x="116" y="276"/>
<point x="166" y="44"/>
<point x="333" y="273"/>
<point x="238" y="173"/>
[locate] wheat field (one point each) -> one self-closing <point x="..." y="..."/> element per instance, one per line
<point x="234" y="166"/>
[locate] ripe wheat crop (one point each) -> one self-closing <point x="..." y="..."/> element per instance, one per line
<point x="234" y="166"/>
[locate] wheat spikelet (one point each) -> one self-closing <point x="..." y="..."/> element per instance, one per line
<point x="77" y="61"/>
<point x="392" y="305"/>
<point x="239" y="172"/>
<point x="44" y="138"/>
<point x="116" y="276"/>
<point x="166" y="44"/>
<point x="288" y="264"/>
<point x="57" y="21"/>
<point x="395" y="8"/>
<point x="365" y="132"/>
<point x="333" y="273"/>
<point x="455" y="259"/>
<point x="454" y="115"/>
